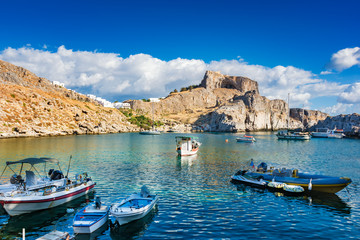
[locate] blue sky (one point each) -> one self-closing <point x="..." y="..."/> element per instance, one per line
<point x="152" y="47"/>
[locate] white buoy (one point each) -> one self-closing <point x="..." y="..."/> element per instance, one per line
<point x="70" y="210"/>
<point x="310" y="185"/>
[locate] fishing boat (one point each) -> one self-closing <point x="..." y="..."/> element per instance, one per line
<point x="187" y="145"/>
<point x="31" y="181"/>
<point x="246" y="138"/>
<point x="310" y="182"/>
<point x="134" y="207"/>
<point x="26" y="199"/>
<point x="291" y="135"/>
<point x="91" y="217"/>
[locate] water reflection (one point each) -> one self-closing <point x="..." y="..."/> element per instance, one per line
<point x="37" y="222"/>
<point x="133" y="229"/>
<point x="331" y="202"/>
<point x="94" y="235"/>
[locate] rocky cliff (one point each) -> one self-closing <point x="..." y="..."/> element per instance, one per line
<point x="33" y="106"/>
<point x="224" y="103"/>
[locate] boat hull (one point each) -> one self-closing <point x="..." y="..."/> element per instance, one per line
<point x="124" y="218"/>
<point x="150" y="133"/>
<point x="251" y="182"/>
<point x="290" y="137"/>
<point x="319" y="183"/>
<point x="182" y="152"/>
<point x="21" y="205"/>
<point x="87" y="229"/>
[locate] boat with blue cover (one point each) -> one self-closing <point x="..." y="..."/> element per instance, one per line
<point x="310" y="182"/>
<point x="91" y="217"/>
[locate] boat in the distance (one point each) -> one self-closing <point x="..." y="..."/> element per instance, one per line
<point x="150" y="132"/>
<point x="187" y="145"/>
<point x="29" y="198"/>
<point x="292" y="135"/>
<point x="309" y="182"/>
<point x="134" y="207"/>
<point x="246" y="138"/>
<point x="91" y="217"/>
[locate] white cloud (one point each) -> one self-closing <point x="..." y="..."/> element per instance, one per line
<point x="345" y="58"/>
<point x="142" y="75"/>
<point x="351" y="94"/>
<point x="337" y="109"/>
<point x="326" y="72"/>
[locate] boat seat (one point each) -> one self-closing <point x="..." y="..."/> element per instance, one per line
<point x="30" y="178"/>
<point x="282" y="173"/>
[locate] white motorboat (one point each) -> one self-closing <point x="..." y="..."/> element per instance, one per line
<point x="321" y="133"/>
<point x="31" y="181"/>
<point x="91" y="217"/>
<point x="187" y="145"/>
<point x="134" y="207"/>
<point x="246" y="138"/>
<point x="22" y="201"/>
<point x="289" y="135"/>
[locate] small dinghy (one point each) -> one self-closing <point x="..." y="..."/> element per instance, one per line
<point x="260" y="183"/>
<point x="91" y="217"/>
<point x="134" y="207"/>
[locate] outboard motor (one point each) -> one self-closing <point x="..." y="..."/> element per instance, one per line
<point x="262" y="167"/>
<point x="56" y="175"/>
<point x="97" y="202"/>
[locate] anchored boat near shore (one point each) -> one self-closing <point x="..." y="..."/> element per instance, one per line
<point x="29" y="196"/>
<point x="309" y="182"/>
<point x="187" y="145"/>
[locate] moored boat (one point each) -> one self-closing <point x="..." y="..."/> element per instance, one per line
<point x="310" y="182"/>
<point x="259" y="183"/>
<point x="91" y="217"/>
<point x="246" y="138"/>
<point x="134" y="207"/>
<point x="150" y="132"/>
<point x="23" y="201"/>
<point x="187" y="145"/>
<point x="30" y="181"/>
<point x="290" y="135"/>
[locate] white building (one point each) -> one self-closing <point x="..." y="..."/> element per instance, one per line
<point x="57" y="83"/>
<point x="122" y="105"/>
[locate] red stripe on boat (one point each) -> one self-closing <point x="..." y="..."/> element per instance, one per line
<point x="50" y="199"/>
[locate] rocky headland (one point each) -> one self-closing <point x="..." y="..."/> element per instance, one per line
<point x="33" y="106"/>
<point x="227" y="104"/>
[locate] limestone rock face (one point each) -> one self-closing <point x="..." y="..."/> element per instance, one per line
<point x="213" y="80"/>
<point x="305" y="119"/>
<point x="350" y="123"/>
<point x="221" y="103"/>
<point x="32" y="106"/>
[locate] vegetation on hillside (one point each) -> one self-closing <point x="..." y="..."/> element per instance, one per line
<point x="140" y="120"/>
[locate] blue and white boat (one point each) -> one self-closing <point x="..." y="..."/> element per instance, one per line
<point x="91" y="217"/>
<point x="134" y="207"/>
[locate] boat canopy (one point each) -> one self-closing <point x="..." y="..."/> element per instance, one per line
<point x="185" y="137"/>
<point x="34" y="161"/>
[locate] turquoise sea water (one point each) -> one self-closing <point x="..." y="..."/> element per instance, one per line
<point x="197" y="199"/>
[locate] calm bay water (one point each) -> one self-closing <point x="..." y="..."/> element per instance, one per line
<point x="197" y="199"/>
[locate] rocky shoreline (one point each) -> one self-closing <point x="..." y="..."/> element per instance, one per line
<point x="31" y="106"/>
